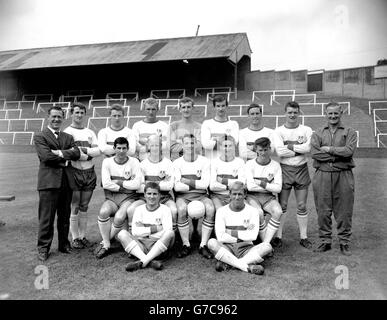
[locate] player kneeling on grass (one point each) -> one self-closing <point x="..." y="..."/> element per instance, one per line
<point x="192" y="178"/>
<point x="236" y="227"/>
<point x="156" y="168"/>
<point x="152" y="233"/>
<point x="121" y="177"/>
<point x="264" y="181"/>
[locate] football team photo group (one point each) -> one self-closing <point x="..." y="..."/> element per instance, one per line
<point x="167" y="184"/>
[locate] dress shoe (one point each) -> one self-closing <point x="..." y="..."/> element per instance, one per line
<point x="42" y="255"/>
<point x="344" y="248"/>
<point x="323" y="247"/>
<point x="65" y="249"/>
<point x="276" y="243"/>
<point x="306" y="243"/>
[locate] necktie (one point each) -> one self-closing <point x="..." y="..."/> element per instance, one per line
<point x="57" y="134"/>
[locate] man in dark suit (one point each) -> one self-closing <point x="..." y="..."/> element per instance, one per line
<point x="54" y="148"/>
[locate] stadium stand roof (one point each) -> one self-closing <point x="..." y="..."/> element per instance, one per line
<point x="230" y="46"/>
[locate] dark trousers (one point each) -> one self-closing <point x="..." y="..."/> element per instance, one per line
<point x="334" y="193"/>
<point x="51" y="202"/>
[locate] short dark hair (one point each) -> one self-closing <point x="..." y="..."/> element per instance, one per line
<point x="151" y="185"/>
<point x="292" y="104"/>
<point x="79" y="105"/>
<point x="186" y="100"/>
<point x="57" y="108"/>
<point x="263" y="142"/>
<point x="254" y="105"/>
<point x="219" y="98"/>
<point x="117" y="107"/>
<point x="121" y="140"/>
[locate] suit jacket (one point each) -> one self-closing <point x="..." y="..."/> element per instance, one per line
<point x="52" y="167"/>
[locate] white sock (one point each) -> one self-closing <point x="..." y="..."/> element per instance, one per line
<point x="115" y="229"/>
<point x="74" y="230"/>
<point x="82" y="224"/>
<point x="207" y="227"/>
<point x="104" y="229"/>
<point x="229" y="258"/>
<point x="184" y="232"/>
<point x="302" y="218"/>
<point x="134" y="249"/>
<point x="271" y="229"/>
<point x="158" y="248"/>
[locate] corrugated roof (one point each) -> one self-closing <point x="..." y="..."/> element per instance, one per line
<point x="231" y="46"/>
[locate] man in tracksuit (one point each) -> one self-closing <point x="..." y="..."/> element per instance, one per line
<point x="332" y="148"/>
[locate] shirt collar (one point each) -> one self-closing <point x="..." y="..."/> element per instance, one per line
<point x="52" y="130"/>
<point x="340" y="125"/>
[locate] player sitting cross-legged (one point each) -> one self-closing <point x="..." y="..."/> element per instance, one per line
<point x="236" y="227"/>
<point x="121" y="177"/>
<point x="192" y="178"/>
<point x="264" y="181"/>
<point x="152" y="233"/>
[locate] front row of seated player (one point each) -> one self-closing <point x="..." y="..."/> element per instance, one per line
<point x="134" y="192"/>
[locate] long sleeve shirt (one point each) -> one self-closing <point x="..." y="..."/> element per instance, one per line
<point x="161" y="172"/>
<point x="342" y="145"/>
<point x="228" y="172"/>
<point x="129" y="173"/>
<point x="299" y="138"/>
<point x="153" y="224"/>
<point x="237" y="223"/>
<point x="214" y="129"/>
<point x="270" y="173"/>
<point x="86" y="138"/>
<point x="247" y="138"/>
<point x="106" y="137"/>
<point x="197" y="171"/>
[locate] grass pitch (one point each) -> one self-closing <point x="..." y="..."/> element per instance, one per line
<point x="293" y="272"/>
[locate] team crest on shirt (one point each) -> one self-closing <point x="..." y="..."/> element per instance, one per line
<point x="270" y="177"/>
<point x="158" y="221"/>
<point x="158" y="131"/>
<point x="246" y="222"/>
<point x="162" y="174"/>
<point x="301" y="139"/>
<point x="90" y="140"/>
<point x="199" y="173"/>
<point x="127" y="174"/>
<point x="228" y="131"/>
<point x="235" y="173"/>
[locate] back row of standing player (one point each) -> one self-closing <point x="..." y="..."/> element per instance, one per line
<point x="152" y="142"/>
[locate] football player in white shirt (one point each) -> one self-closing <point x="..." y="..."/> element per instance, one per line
<point x="85" y="178"/>
<point x="293" y="142"/>
<point x="225" y="170"/>
<point x="192" y="178"/>
<point x="264" y="182"/>
<point x="186" y="125"/>
<point x="220" y="125"/>
<point x="121" y="177"/>
<point x="150" y="125"/>
<point x="236" y="227"/>
<point x="255" y="130"/>
<point x="152" y="233"/>
<point x="158" y="169"/>
<point x="117" y="128"/>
